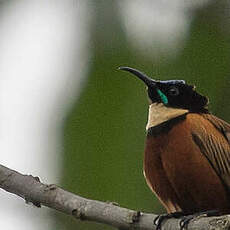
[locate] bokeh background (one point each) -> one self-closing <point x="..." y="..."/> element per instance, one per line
<point x="70" y="117"/>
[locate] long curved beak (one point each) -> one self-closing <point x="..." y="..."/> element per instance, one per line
<point x="148" y="81"/>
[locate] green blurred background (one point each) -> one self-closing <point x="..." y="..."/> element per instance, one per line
<point x="104" y="132"/>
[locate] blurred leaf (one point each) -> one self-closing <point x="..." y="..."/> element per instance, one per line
<point x="105" y="131"/>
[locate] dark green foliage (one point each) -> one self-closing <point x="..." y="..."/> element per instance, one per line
<point x="104" y="133"/>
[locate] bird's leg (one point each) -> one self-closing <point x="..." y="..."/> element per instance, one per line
<point x="160" y="218"/>
<point x="186" y="219"/>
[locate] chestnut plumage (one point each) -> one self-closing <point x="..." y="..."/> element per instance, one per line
<point x="187" y="150"/>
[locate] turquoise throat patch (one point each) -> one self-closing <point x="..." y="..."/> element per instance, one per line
<point x="163" y="97"/>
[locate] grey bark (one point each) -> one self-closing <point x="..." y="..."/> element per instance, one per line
<point x="52" y="196"/>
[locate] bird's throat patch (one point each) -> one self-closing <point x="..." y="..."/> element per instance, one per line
<point x="159" y="113"/>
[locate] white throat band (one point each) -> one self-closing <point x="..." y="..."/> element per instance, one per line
<point x="159" y="113"/>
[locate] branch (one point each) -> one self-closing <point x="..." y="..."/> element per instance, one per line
<point x="52" y="196"/>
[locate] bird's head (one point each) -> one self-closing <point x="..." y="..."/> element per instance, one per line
<point x="172" y="93"/>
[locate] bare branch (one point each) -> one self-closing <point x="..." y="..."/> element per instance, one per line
<point x="32" y="190"/>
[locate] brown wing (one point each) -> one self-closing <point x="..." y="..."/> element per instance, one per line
<point x="215" y="145"/>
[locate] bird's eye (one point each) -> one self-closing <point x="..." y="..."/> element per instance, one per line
<point x="173" y="91"/>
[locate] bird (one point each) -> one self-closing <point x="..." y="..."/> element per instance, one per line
<point x="187" y="149"/>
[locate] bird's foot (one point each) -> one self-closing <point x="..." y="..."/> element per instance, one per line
<point x="186" y="219"/>
<point x="160" y="218"/>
